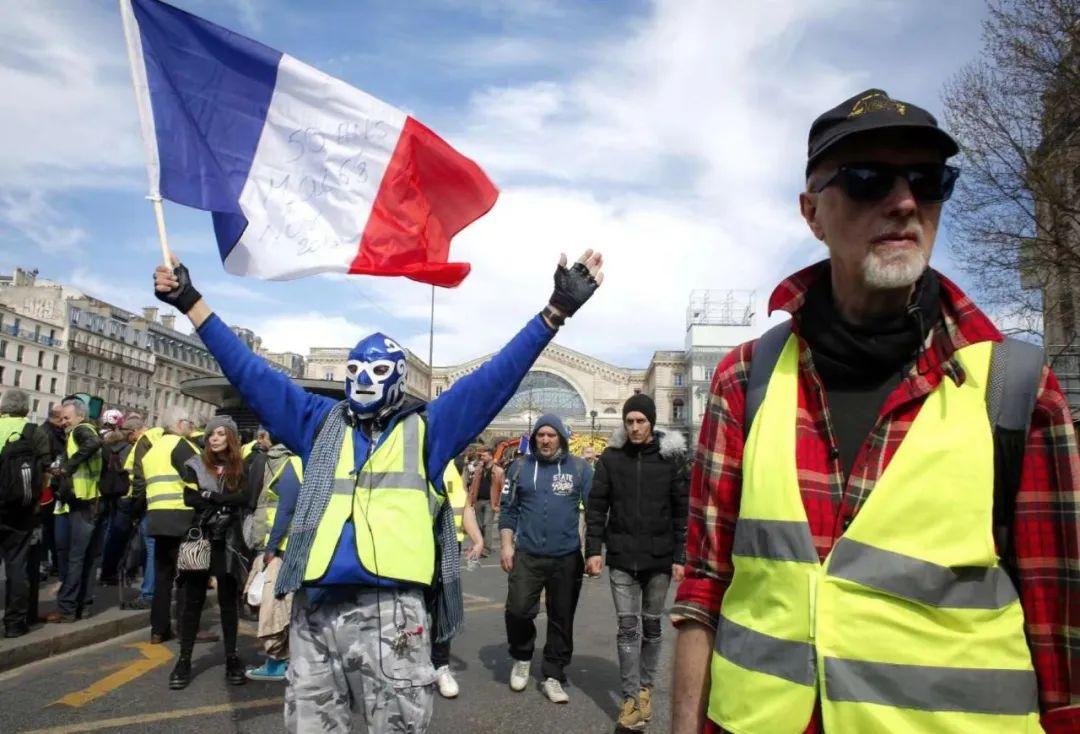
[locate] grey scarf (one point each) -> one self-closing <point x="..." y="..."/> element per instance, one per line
<point x="315" y="497"/>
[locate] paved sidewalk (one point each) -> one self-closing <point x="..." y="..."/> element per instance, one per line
<point x="106" y="621"/>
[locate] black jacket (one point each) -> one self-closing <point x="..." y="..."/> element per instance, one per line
<point x="638" y="503"/>
<point x="174" y="523"/>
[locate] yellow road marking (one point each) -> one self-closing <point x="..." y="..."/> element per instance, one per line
<point x="153" y="656"/>
<point x="160" y="716"/>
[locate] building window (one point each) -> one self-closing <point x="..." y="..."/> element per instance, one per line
<point x="438" y="391"/>
<point x="56" y="361"/>
<point x="18" y="377"/>
<point x="328" y="375"/>
<point x="678" y="379"/>
<point x="1" y="374"/>
<point x="610" y="411"/>
<point x="3" y="349"/>
<point x="35" y="406"/>
<point x="37" y="384"/>
<point x="678" y="410"/>
<point x="709" y="373"/>
<point x="41" y="358"/>
<point x="52" y="385"/>
<point x="19" y="353"/>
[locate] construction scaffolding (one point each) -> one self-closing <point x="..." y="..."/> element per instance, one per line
<point x="720" y="308"/>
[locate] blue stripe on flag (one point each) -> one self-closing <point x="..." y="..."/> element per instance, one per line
<point x="210" y="90"/>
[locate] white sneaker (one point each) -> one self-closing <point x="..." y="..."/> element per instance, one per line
<point x="448" y="687"/>
<point x="554" y="691"/>
<point x="519" y="675"/>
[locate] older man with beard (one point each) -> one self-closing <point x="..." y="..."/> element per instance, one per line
<point x="882" y="527"/>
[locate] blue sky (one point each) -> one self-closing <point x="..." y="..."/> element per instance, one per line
<point x="671" y="135"/>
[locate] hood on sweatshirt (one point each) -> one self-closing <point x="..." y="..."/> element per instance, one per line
<point x="552" y="421"/>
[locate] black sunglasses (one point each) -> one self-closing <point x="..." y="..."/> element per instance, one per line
<point x="930" y="183"/>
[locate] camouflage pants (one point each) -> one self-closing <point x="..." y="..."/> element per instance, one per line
<point x="364" y="651"/>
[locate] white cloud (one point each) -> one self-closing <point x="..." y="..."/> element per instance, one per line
<point x="70" y="119"/>
<point x="298" y="332"/>
<point x="35" y="219"/>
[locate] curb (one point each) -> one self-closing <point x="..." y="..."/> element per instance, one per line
<point x="39" y="644"/>
<point x="53" y="639"/>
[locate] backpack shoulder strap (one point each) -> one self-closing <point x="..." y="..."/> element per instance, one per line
<point x="1015" y="374"/>
<point x="762" y="362"/>
<point x="1013" y="384"/>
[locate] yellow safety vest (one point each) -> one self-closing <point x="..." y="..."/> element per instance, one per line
<point x="151" y="435"/>
<point x="11" y="427"/>
<point x="910" y="625"/>
<point x="246" y="449"/>
<point x="391" y="504"/>
<point x="164" y="487"/>
<point x="455" y="492"/>
<point x="272" y="497"/>
<point x="84" y="482"/>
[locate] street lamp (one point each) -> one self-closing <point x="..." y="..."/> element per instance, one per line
<point x="592" y="415"/>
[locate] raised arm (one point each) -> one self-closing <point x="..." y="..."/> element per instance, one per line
<point x="291" y="413"/>
<point x="462" y="412"/>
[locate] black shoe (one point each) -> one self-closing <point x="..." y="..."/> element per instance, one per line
<point x="235" y="672"/>
<point x="11" y="632"/>
<point x="180" y="676"/>
<point x="156" y="639"/>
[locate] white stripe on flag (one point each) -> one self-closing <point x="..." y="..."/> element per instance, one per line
<point x="142" y="96"/>
<point x="323" y="152"/>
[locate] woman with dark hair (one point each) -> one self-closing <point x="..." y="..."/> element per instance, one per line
<point x="217" y="490"/>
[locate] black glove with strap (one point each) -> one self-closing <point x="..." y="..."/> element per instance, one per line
<point x="184" y="295"/>
<point x="573" y="286"/>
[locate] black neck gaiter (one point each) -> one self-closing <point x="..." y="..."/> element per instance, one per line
<point x="865" y="354"/>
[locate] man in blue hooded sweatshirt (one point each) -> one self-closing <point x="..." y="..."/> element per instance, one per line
<point x="541" y="550"/>
<point x="372" y="534"/>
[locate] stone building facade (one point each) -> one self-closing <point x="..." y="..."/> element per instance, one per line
<point x="178" y="357"/>
<point x="34" y="357"/>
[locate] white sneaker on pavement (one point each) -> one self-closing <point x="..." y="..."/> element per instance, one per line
<point x="519" y="675"/>
<point x="554" y="691"/>
<point x="448" y="687"/>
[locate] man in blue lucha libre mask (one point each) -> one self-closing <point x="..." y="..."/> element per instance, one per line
<point x="375" y="376"/>
<point x="372" y="561"/>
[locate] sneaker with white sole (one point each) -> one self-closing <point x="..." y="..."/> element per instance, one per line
<point x="554" y="691"/>
<point x="448" y="687"/>
<point x="519" y="675"/>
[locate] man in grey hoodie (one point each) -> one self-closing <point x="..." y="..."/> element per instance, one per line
<point x="541" y="550"/>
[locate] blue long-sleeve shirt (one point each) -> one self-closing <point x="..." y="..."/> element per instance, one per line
<point x="455" y="418"/>
<point x="287" y="489"/>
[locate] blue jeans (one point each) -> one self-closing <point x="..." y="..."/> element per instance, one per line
<point x="62" y="540"/>
<point x="147" y="590"/>
<point x="638" y="596"/>
<point x="117" y="532"/>
<point x="84" y="554"/>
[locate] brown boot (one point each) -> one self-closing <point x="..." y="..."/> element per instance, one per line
<point x="645" y="703"/>
<point x="630" y="716"/>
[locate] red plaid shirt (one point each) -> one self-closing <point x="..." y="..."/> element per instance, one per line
<point x="1046" y="532"/>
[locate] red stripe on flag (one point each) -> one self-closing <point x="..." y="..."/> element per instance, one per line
<point x="429" y="193"/>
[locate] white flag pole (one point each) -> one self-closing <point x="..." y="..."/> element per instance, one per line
<point x="146" y="121"/>
<point x="431" y="349"/>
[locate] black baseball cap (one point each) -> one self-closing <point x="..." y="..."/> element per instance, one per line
<point x="873" y="110"/>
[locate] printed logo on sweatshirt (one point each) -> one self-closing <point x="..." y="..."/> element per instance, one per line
<point x="562" y="484"/>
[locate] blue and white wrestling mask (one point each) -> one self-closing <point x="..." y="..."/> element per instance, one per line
<point x="375" y="376"/>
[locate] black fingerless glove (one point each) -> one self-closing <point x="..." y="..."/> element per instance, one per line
<point x="573" y="286"/>
<point x="184" y="295"/>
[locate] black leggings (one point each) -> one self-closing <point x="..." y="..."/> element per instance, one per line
<point x="193" y="584"/>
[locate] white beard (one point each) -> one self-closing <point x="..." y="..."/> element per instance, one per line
<point x="883" y="270"/>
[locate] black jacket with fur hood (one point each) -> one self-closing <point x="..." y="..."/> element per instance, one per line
<point x="638" y="503"/>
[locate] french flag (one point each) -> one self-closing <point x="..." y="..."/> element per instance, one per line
<point x="303" y="173"/>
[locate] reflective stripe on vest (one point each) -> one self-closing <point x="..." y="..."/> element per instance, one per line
<point x="164" y="487"/>
<point x="392" y="507"/>
<point x="455" y="492"/>
<point x="910" y="624"/>
<point x="272" y="497"/>
<point x="87" y="475"/>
